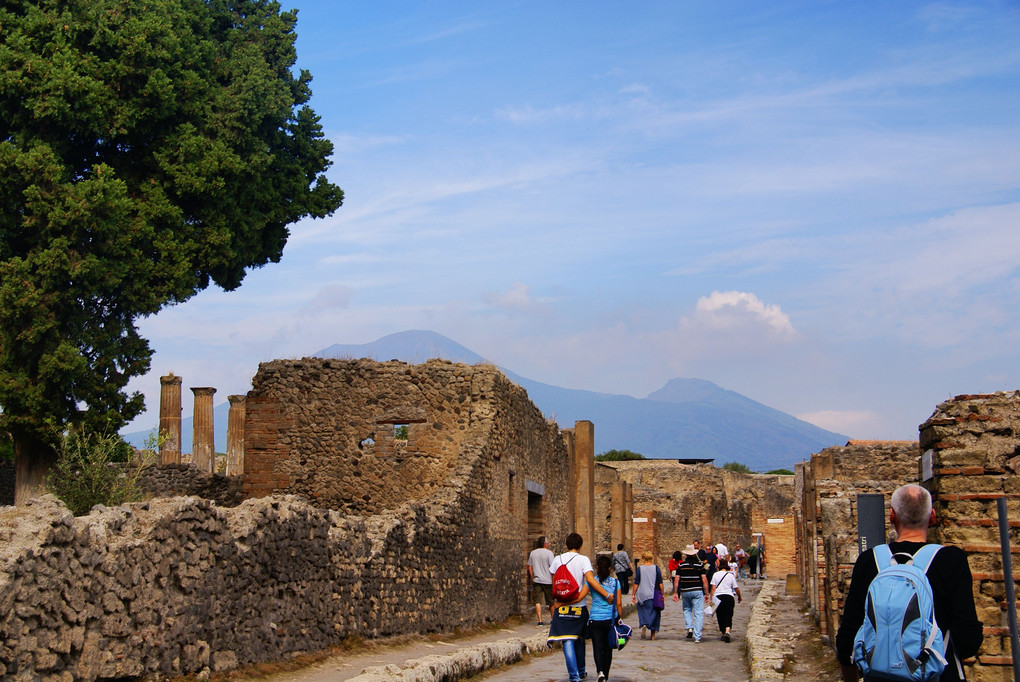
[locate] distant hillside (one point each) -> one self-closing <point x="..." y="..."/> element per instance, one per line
<point x="686" y="418"/>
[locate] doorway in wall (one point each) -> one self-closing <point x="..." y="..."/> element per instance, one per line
<point x="536" y="519"/>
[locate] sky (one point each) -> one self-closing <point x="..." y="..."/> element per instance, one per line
<point x="815" y="204"/>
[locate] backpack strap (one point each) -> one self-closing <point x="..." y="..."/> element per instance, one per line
<point x="883" y="556"/>
<point x="923" y="557"/>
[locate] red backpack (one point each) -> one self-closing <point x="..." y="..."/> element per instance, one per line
<point x="564" y="587"/>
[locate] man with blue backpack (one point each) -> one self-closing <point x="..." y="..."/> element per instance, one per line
<point x="909" y="611"/>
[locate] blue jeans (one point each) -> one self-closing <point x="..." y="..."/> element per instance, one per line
<point x="573" y="654"/>
<point x="694" y="611"/>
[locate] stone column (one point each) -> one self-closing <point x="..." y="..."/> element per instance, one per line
<point x="616" y="513"/>
<point x="170" y="419"/>
<point x="235" y="436"/>
<point x="628" y="516"/>
<point x="203" y="449"/>
<point x="584" y="483"/>
<point x="568" y="442"/>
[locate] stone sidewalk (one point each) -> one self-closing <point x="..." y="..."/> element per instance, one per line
<point x="520" y="653"/>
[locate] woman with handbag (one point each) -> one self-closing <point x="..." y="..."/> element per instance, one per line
<point x="724" y="587"/>
<point x="603" y="615"/>
<point x="648" y="595"/>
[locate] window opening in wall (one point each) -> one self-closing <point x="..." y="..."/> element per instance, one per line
<point x="400" y="432"/>
<point x="536" y="520"/>
<point x="366" y="443"/>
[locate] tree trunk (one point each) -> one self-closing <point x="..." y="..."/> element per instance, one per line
<point x="32" y="461"/>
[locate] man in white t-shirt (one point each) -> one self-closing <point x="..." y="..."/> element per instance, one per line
<point x="570" y="618"/>
<point x="539" y="562"/>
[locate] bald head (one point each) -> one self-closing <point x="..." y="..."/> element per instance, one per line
<point x="912" y="506"/>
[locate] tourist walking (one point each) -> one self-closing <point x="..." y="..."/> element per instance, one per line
<point x="724" y="588"/>
<point x="570" y="616"/>
<point x="648" y="580"/>
<point x="741" y="556"/>
<point x="603" y="614"/>
<point x="539" y="562"/>
<point x="691" y="586"/>
<point x="621" y="565"/>
<point x="952" y="585"/>
<point x="752" y="561"/>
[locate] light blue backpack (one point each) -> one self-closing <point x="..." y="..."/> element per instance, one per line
<point x="899" y="639"/>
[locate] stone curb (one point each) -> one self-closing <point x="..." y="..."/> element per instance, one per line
<point x="765" y="656"/>
<point x="458" y="664"/>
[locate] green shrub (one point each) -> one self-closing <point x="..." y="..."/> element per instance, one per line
<point x="738" y="467"/>
<point x="93" y="468"/>
<point x="617" y="456"/>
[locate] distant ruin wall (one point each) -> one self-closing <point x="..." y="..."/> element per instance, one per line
<point x="703" y="502"/>
<point x="172" y="480"/>
<point x="973" y="447"/>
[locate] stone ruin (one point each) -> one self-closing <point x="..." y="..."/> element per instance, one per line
<point x="349" y="528"/>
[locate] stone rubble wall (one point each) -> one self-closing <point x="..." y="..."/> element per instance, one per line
<point x="172" y="480"/>
<point x="974" y="445"/>
<point x="829" y="484"/>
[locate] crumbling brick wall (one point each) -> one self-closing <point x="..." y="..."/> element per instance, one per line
<point x="973" y="446"/>
<point x="830" y="484"/>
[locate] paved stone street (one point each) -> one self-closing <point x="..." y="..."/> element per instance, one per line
<point x="670" y="657"/>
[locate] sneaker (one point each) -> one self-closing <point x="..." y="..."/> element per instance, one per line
<point x="690" y="634"/>
<point x="540" y="624"/>
<point x="697" y="641"/>
<point x="726" y="637"/>
<point x="601" y="678"/>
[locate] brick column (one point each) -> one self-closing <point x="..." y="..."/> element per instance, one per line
<point x="170" y="419"/>
<point x="235" y="436"/>
<point x="646" y="534"/>
<point x="970" y="447"/>
<point x="203" y="449"/>
<point x="617" y="514"/>
<point x="628" y="515"/>
<point x="584" y="482"/>
<point x="568" y="443"/>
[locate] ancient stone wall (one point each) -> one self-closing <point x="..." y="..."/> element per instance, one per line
<point x="972" y="448"/>
<point x="171" y="480"/>
<point x="702" y="502"/>
<point x="829" y="485"/>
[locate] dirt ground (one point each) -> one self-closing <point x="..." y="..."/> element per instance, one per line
<point x="808" y="658"/>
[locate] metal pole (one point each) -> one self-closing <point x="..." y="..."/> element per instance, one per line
<point x="1007" y="572"/>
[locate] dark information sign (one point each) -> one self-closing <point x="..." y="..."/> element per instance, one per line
<point x="870" y="521"/>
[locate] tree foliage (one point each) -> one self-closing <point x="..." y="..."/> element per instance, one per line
<point x="738" y="467"/>
<point x="780" y="472"/>
<point x="618" y="456"/>
<point x="147" y="149"/>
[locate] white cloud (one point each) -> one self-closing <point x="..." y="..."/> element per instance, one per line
<point x="847" y="422"/>
<point x="517" y="297"/>
<point x="729" y="309"/>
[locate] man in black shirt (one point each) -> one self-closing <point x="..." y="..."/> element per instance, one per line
<point x="948" y="574"/>
<point x="691" y="585"/>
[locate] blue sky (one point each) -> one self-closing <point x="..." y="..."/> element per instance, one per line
<point x="815" y="204"/>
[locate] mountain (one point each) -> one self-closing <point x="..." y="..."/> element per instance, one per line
<point x="685" y="419"/>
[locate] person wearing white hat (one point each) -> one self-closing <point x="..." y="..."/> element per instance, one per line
<point x="691" y="585"/>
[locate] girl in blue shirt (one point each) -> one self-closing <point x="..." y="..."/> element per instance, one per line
<point x="601" y="618"/>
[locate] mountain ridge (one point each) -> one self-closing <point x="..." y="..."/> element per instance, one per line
<point x="686" y="418"/>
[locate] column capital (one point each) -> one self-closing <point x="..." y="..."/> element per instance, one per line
<point x="237" y="399"/>
<point x="170" y="380"/>
<point x="203" y="390"/>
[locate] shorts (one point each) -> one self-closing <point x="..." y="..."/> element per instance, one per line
<point x="540" y="591"/>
